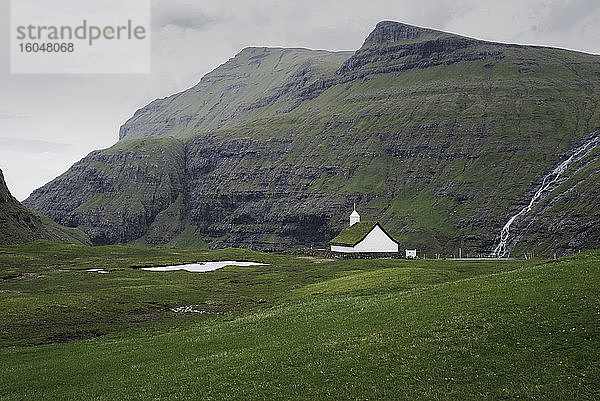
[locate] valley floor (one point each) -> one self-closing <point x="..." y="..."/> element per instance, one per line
<point x="294" y="329"/>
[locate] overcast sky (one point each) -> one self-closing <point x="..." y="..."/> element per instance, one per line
<point x="48" y="122"/>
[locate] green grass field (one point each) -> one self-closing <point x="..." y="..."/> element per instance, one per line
<point x="295" y="329"/>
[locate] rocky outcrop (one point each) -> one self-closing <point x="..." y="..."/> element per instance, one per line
<point x="396" y="47"/>
<point x="386" y="32"/>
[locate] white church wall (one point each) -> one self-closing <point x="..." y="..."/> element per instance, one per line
<point x="340" y="248"/>
<point x="376" y="241"/>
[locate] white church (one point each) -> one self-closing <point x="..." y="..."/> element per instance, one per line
<point x="363" y="236"/>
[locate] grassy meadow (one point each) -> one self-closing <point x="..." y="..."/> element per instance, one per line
<point x="295" y="328"/>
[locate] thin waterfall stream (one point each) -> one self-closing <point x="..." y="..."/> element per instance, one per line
<point x="501" y="250"/>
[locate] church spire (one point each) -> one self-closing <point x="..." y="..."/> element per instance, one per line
<point x="354" y="217"/>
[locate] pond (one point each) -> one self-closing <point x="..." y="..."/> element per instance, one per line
<point x="202" y="266"/>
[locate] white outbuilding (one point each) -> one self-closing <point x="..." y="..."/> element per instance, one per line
<point x="363" y="236"/>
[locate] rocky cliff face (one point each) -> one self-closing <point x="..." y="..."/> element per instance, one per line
<point x="394" y="47"/>
<point x="20" y="225"/>
<point x="565" y="202"/>
<point x="439" y="137"/>
<point x="116" y="195"/>
<point x="391" y="32"/>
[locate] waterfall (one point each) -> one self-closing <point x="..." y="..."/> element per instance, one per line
<point x="550" y="179"/>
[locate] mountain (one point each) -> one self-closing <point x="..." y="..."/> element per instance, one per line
<point x="20" y="225"/>
<point x="441" y="138"/>
<point x="258" y="81"/>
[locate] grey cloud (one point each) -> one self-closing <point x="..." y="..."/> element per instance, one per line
<point x="6" y="115"/>
<point x="568" y="15"/>
<point x="184" y="16"/>
<point x="33" y="145"/>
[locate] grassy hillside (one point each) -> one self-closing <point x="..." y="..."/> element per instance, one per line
<point x="385" y="330"/>
<point x="20" y="225"/>
<point x="257" y="82"/>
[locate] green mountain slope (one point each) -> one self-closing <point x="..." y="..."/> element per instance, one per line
<point x="440" y="138"/>
<point x="531" y="333"/>
<point x="19" y="224"/>
<point x="257" y="82"/>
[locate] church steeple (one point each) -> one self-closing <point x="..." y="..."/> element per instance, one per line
<point x="354" y="217"/>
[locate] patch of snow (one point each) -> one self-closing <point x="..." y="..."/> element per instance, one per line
<point x="186" y="309"/>
<point x="101" y="271"/>
<point x="193" y="309"/>
<point x="315" y="260"/>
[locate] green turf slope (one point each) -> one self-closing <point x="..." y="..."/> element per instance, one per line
<point x="19" y="224"/>
<point x="531" y="333"/>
